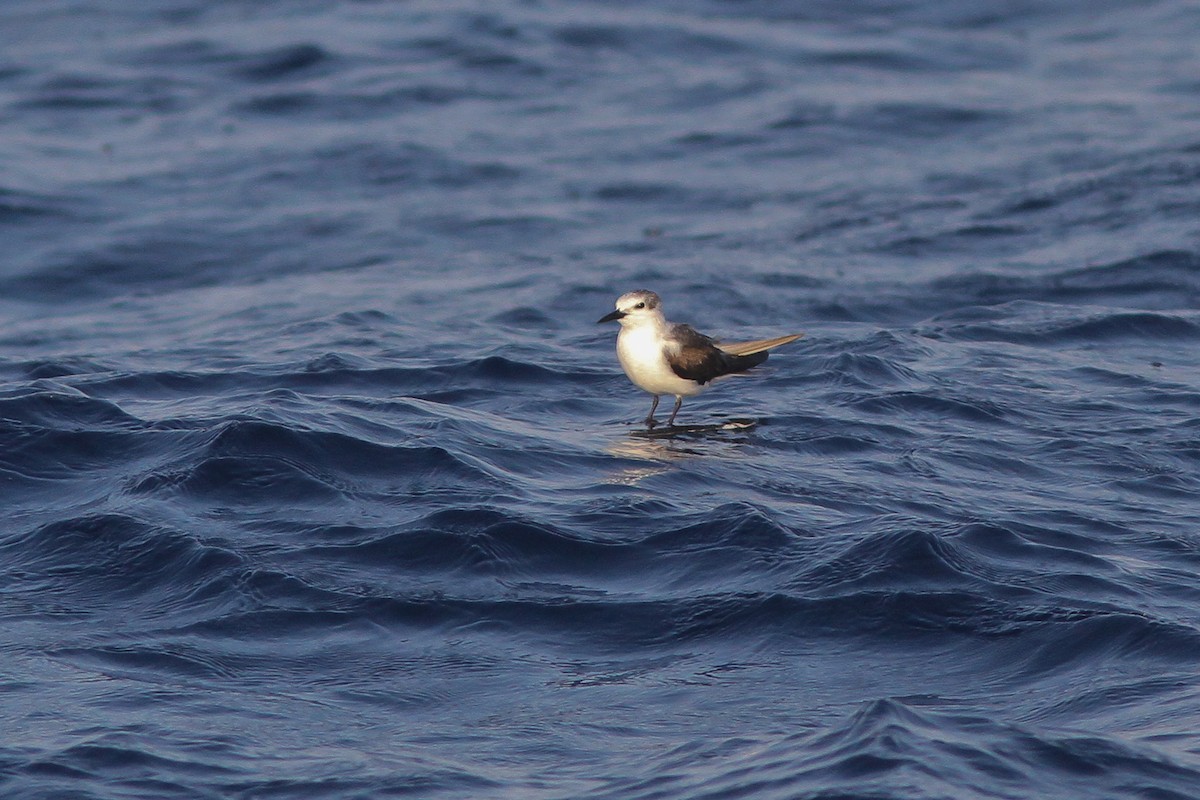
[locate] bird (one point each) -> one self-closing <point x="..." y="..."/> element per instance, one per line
<point x="663" y="357"/>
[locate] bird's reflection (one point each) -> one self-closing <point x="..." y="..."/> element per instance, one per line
<point x="662" y="447"/>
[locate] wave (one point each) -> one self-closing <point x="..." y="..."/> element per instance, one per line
<point x="1162" y="280"/>
<point x="19" y="207"/>
<point x="899" y="744"/>
<point x="111" y="560"/>
<point x="483" y="569"/>
<point x="256" y="462"/>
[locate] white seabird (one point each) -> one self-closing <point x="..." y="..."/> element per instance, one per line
<point x="664" y="357"/>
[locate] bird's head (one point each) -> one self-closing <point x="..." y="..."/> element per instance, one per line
<point x="634" y="308"/>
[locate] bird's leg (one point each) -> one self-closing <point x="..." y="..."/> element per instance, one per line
<point x="678" y="403"/>
<point x="650" y="421"/>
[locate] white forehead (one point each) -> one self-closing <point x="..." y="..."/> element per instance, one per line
<point x="630" y="299"/>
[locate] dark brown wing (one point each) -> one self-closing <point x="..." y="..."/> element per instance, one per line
<point x="696" y="357"/>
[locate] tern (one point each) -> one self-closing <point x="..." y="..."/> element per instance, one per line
<point x="664" y="357"/>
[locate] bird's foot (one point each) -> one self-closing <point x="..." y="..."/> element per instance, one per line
<point x="650" y="423"/>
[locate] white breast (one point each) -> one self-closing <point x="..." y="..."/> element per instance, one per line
<point x="641" y="355"/>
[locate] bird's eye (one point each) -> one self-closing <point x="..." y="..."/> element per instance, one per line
<point x="640" y="305"/>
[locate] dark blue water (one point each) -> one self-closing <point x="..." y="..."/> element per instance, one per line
<point x="319" y="480"/>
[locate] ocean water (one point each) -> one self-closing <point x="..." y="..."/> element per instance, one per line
<point x="319" y="479"/>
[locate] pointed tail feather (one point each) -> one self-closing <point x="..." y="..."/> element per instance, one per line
<point x="750" y="348"/>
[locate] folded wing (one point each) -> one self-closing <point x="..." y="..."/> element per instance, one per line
<point x="757" y="346"/>
<point x="694" y="356"/>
